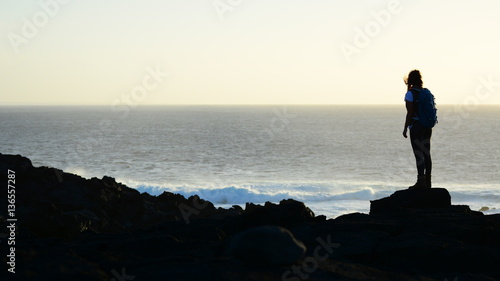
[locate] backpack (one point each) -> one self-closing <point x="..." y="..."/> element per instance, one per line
<point x="426" y="111"/>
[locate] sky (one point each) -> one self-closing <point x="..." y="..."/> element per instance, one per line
<point x="162" y="52"/>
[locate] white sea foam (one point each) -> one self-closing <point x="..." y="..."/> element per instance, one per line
<point x="241" y="195"/>
<point x="321" y="198"/>
<point x="78" y="171"/>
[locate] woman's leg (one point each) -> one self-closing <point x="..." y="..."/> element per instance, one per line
<point x="418" y="144"/>
<point x="427" y="151"/>
<point x="427" y="157"/>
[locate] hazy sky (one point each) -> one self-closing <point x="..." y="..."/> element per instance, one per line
<point x="246" y="52"/>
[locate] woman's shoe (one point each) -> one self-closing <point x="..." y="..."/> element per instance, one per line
<point x="420" y="184"/>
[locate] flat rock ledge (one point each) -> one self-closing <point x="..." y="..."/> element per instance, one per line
<point x="411" y="199"/>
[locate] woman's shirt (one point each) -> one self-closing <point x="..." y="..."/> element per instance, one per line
<point x="409" y="97"/>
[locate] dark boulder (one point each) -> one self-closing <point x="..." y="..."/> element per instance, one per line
<point x="270" y="245"/>
<point x="288" y="213"/>
<point x="411" y="199"/>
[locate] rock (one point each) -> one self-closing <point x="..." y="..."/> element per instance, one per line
<point x="411" y="199"/>
<point x="10" y="161"/>
<point x="51" y="203"/>
<point x="484" y="209"/>
<point x="271" y="245"/>
<point x="288" y="213"/>
<point x="99" y="229"/>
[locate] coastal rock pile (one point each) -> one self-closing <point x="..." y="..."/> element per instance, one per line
<point x="57" y="204"/>
<point x="71" y="228"/>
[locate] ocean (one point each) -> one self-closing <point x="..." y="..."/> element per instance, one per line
<point x="333" y="158"/>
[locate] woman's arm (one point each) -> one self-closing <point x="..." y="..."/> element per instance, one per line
<point x="409" y="117"/>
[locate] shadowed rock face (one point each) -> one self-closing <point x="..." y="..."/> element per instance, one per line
<point x="71" y="228"/>
<point x="52" y="203"/>
<point x="270" y="245"/>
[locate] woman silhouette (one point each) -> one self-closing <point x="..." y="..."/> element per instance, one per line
<point x="420" y="137"/>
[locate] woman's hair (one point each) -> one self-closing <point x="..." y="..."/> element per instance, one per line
<point x="414" y="79"/>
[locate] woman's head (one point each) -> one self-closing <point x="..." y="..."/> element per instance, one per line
<point x="414" y="79"/>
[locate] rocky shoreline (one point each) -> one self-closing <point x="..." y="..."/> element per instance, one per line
<point x="71" y="228"/>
